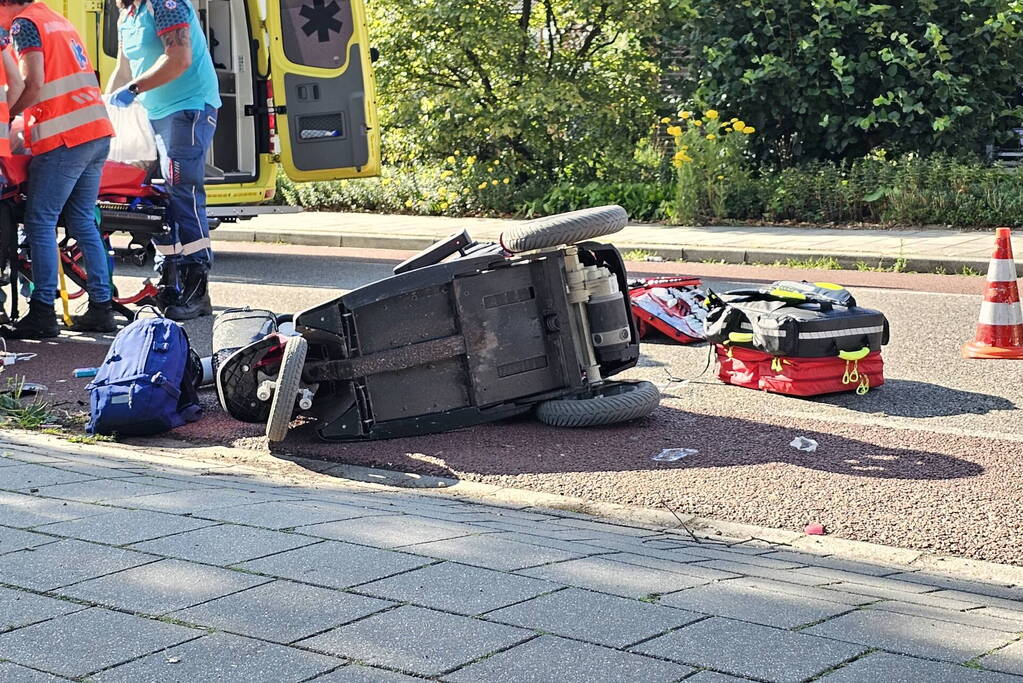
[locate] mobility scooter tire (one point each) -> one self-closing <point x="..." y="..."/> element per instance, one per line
<point x="289" y="381"/>
<point x="609" y="403"/>
<point x="565" y="228"/>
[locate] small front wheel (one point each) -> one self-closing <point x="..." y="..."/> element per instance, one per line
<point x="289" y="382"/>
<point x="609" y="403"/>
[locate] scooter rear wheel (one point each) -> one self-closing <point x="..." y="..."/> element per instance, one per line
<point x="565" y="228"/>
<point x="289" y="382"/>
<point x="610" y="403"/>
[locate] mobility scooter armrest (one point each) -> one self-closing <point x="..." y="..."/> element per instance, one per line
<point x="436" y="253"/>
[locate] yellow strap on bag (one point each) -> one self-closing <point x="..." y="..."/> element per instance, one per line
<point x="64" y="299"/>
<point x="776" y="364"/>
<point x="740" y="337"/>
<point x="864" y="386"/>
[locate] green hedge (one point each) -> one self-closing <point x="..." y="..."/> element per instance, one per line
<point x="912" y="191"/>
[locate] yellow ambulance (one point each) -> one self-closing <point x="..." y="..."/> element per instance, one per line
<point x="296" y="80"/>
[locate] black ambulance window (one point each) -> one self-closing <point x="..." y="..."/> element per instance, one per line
<point x="316" y="32"/>
<point x="110" y="37"/>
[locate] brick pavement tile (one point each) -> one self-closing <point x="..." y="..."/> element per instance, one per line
<point x="978" y="599"/>
<point x="1007" y="614"/>
<point x="912" y="635"/>
<point x="222" y="658"/>
<point x="751" y="650"/>
<point x="672" y="565"/>
<point x="281" y="611"/>
<point x="981" y="618"/>
<point x="575" y="547"/>
<point x="542" y="530"/>
<point x="963" y="585"/>
<point x="16" y="539"/>
<point x="606" y="576"/>
<point x="417" y="640"/>
<point x="12" y="673"/>
<point x="843" y="576"/>
<point x="19" y="456"/>
<point x="335" y="564"/>
<point x="713" y="677"/>
<point x="101" y="490"/>
<point x="549" y="658"/>
<point x="595" y="617"/>
<point x="392" y="531"/>
<point x="194" y="500"/>
<point x="749" y="602"/>
<point x="21" y="510"/>
<point x="162" y="587"/>
<point x="458" y="588"/>
<point x="84" y="642"/>
<point x="785" y="575"/>
<point x="29" y="476"/>
<point x="757" y="560"/>
<point x="834" y="563"/>
<point x="224" y="544"/>
<point x="287" y="514"/>
<point x="18" y="608"/>
<point x="491" y="552"/>
<point x="356" y="673"/>
<point x="929" y="599"/>
<point x="121" y="527"/>
<point x="890" y="668"/>
<point x="114" y="470"/>
<point x="66" y="562"/>
<point x="811" y="592"/>
<point x="1008" y="659"/>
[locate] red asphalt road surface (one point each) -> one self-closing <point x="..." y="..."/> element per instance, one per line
<point x="910" y="487"/>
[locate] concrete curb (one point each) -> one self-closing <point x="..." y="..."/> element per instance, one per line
<point x="729" y="255"/>
<point x="170" y="451"/>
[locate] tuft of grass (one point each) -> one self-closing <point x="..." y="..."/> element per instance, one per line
<point x="966" y="270"/>
<point x="14" y="412"/>
<point x="637" y="255"/>
<point x="822" y="263"/>
<point x="90" y="438"/>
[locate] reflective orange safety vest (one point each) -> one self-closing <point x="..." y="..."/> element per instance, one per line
<point x="5" y="112"/>
<point x="70" y="110"/>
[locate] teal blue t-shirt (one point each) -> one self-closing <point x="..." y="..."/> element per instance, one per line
<point x="140" y="39"/>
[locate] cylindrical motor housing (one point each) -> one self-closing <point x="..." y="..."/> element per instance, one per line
<point x="609" y="325"/>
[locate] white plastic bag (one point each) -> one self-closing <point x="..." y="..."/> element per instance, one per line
<point x="135" y="142"/>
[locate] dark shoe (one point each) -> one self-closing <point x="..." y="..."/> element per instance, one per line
<point x="194" y="301"/>
<point x="99" y="317"/>
<point x="167" y="294"/>
<point x="39" y="323"/>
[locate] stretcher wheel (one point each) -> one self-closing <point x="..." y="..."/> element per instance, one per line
<point x="289" y="381"/>
<point x="565" y="228"/>
<point x="609" y="403"/>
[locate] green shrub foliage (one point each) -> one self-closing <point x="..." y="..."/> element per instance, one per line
<point x="837" y="78"/>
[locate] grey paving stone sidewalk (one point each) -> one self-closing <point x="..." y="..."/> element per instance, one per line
<point x="139" y="571"/>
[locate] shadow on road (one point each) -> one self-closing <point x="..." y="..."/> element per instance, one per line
<point x="908" y="398"/>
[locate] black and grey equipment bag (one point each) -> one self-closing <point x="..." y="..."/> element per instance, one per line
<point x="801" y="320"/>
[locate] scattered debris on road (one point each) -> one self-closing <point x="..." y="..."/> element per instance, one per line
<point x="673" y="454"/>
<point x="804" y="444"/>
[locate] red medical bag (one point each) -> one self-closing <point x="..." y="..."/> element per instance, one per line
<point x="859" y="371"/>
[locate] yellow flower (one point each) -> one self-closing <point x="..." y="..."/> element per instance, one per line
<point x="482" y="186"/>
<point x="507" y="180"/>
<point x="450" y="159"/>
<point x="711" y="136"/>
<point x="738" y="125"/>
<point x="674" y="130"/>
<point x="685" y="147"/>
<point x="685" y="115"/>
<point x="456" y="151"/>
<point x="681" y="157"/>
<point x="408" y="203"/>
<point x="728" y="129"/>
<point x="443" y="205"/>
<point x="721" y="177"/>
<point x="666" y="120"/>
<point x="697" y="122"/>
<point x="385" y="181"/>
<point x="446" y="174"/>
<point x="711" y="114"/>
<point x="733" y="120"/>
<point x="493" y="182"/>
<point x="442" y="191"/>
<point x="471" y="159"/>
<point x="465" y="191"/>
<point x="749" y="130"/>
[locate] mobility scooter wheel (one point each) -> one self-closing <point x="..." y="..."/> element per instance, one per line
<point x="289" y="381"/>
<point x="565" y="228"/>
<point x="609" y="403"/>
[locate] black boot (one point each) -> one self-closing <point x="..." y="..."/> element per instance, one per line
<point x="167" y="288"/>
<point x="39" y="323"/>
<point x="99" y="317"/>
<point x="194" y="300"/>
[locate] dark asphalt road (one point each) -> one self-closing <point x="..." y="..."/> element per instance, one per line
<point x="931" y="460"/>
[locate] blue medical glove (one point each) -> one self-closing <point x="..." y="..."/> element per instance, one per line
<point x="123" y="97"/>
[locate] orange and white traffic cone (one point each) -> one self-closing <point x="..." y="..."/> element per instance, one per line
<point x="1000" y="330"/>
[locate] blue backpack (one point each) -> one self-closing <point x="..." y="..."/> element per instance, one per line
<point x="147" y="383"/>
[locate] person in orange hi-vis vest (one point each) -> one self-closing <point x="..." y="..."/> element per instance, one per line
<point x="68" y="131"/>
<point x="11" y="87"/>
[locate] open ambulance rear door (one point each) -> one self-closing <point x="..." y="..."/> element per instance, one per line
<point x="323" y="88"/>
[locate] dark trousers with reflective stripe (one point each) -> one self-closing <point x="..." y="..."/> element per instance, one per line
<point x="183" y="140"/>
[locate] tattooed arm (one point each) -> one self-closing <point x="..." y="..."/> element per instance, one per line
<point x="175" y="60"/>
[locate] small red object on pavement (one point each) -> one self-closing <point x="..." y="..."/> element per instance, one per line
<point x="814" y="529"/>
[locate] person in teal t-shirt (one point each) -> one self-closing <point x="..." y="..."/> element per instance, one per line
<point x="165" y="63"/>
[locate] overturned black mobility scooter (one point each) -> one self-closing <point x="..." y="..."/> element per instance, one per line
<point x="462" y="333"/>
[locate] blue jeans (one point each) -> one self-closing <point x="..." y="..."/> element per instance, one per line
<point x="182" y="140"/>
<point x="66" y="180"/>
